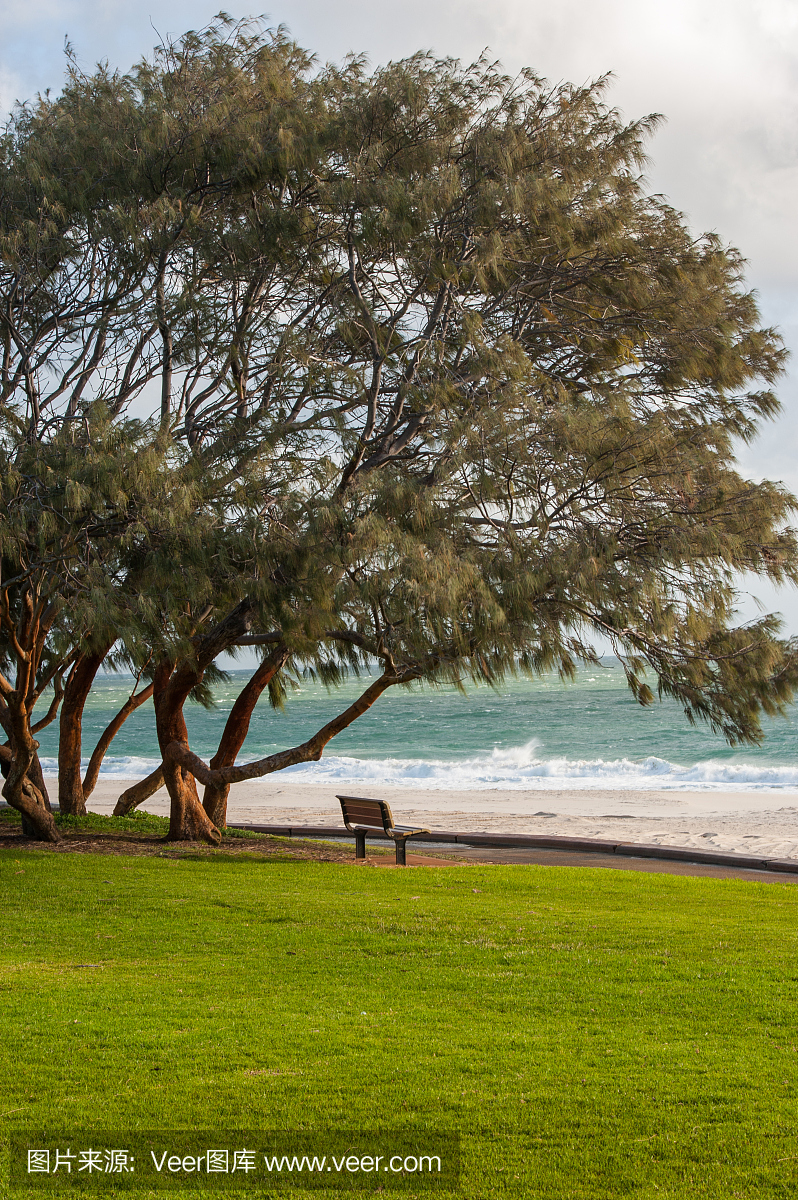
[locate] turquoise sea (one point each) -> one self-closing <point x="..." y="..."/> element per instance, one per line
<point x="542" y="733"/>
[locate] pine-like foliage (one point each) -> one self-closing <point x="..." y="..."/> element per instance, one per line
<point x="429" y="379"/>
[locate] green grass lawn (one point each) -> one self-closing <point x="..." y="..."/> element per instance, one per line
<point x="588" y="1033"/>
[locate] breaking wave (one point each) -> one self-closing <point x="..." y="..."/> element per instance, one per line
<point x="515" y="769"/>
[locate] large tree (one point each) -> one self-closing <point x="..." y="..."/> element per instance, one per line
<point x="540" y="374"/>
<point x="461" y="395"/>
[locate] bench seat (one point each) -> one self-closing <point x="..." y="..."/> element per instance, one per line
<point x="363" y="815"/>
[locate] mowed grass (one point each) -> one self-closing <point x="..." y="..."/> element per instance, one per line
<point x="589" y="1033"/>
<point x="138" y="822"/>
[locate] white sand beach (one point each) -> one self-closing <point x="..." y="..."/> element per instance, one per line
<point x="760" y="822"/>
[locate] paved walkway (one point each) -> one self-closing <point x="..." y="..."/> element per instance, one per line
<point x="612" y="862"/>
<point x="459" y="848"/>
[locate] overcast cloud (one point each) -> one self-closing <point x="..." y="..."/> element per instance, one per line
<point x="723" y="72"/>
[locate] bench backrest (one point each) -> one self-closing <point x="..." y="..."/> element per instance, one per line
<point x="369" y="814"/>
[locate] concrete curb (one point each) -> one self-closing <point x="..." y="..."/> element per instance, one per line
<point x="552" y="842"/>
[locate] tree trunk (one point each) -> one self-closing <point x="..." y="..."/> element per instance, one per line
<point x="27" y="637"/>
<point x="71" y="798"/>
<point x="109" y="733"/>
<point x="37" y="779"/>
<point x="214" y="800"/>
<point x="35" y="776"/>
<point x="20" y="792"/>
<point x="310" y="751"/>
<point x="30" y="789"/>
<point x="37" y="819"/>
<point x="141" y="791"/>
<point x="188" y="821"/>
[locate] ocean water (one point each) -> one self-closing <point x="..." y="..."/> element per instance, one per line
<point x="539" y="733"/>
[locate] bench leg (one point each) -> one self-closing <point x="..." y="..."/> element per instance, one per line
<point x="401" y="846"/>
<point x="360" y="845"/>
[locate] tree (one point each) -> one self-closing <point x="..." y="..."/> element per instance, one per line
<point x="457" y="393"/>
<point x="107" y="196"/>
<point x="539" y="375"/>
<point x="75" y="509"/>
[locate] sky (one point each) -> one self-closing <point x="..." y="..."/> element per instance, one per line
<point x="724" y="74"/>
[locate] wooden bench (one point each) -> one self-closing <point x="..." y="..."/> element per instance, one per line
<point x="362" y="816"/>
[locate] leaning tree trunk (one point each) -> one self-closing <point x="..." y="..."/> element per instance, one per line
<point x="236" y="729"/>
<point x="73" y="792"/>
<point x="310" y="751"/>
<point x="109" y="733"/>
<point x="139" y="792"/>
<point x="71" y="798"/>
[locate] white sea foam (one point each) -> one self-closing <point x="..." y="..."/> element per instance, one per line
<point x="516" y="768"/>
